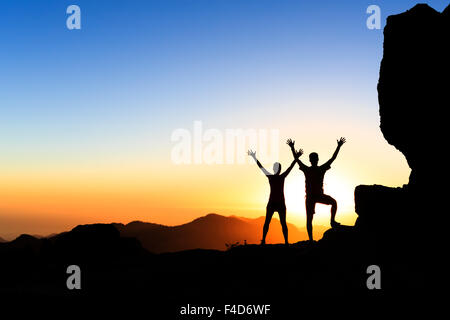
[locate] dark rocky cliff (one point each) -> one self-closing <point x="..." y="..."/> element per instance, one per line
<point x="413" y="98"/>
<point x="413" y="88"/>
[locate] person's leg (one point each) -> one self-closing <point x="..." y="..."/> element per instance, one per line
<point x="309" y="219"/>
<point x="326" y="199"/>
<point x="282" y="214"/>
<point x="269" y="214"/>
<point x="310" y="207"/>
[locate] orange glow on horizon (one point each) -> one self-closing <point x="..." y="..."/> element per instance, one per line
<point x="45" y="197"/>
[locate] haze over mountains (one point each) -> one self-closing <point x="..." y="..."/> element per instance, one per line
<point x="212" y="231"/>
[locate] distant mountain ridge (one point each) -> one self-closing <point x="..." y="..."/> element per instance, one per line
<point x="212" y="231"/>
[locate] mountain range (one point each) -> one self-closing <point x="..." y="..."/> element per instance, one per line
<point x="212" y="231"/>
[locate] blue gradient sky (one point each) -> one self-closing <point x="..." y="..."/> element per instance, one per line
<point x="137" y="61"/>
<point x="146" y="61"/>
<point x="112" y="92"/>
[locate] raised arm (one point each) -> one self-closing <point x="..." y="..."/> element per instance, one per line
<point x="253" y="155"/>
<point x="295" y="154"/>
<point x="340" y="142"/>
<point x="288" y="170"/>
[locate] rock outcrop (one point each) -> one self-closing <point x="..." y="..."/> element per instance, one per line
<point x="413" y="98"/>
<point x="413" y="89"/>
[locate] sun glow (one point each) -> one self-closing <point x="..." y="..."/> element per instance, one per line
<point x="335" y="186"/>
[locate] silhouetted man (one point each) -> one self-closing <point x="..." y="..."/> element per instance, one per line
<point x="314" y="184"/>
<point x="276" y="199"/>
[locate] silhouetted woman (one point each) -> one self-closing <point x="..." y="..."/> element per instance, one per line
<point x="276" y="199"/>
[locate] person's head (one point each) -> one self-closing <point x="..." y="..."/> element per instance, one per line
<point x="314" y="158"/>
<point x="276" y="168"/>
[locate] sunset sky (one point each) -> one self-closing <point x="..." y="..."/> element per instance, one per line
<point x="86" y="116"/>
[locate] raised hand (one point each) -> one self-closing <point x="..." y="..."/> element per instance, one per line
<point x="341" y="141"/>
<point x="252" y="153"/>
<point x="290" y="142"/>
<point x="299" y="153"/>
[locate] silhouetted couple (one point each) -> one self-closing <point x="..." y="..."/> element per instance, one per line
<point x="313" y="184"/>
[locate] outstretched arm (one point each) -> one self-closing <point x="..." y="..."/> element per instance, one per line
<point x="288" y="170"/>
<point x="340" y="142"/>
<point x="295" y="154"/>
<point x="253" y="155"/>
